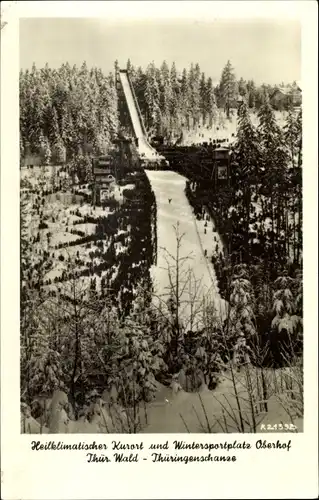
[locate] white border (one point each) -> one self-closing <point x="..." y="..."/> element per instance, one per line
<point x="269" y="474"/>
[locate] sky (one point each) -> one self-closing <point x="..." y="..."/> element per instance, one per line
<point x="268" y="51"/>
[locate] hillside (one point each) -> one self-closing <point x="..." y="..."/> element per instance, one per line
<point x="67" y="231"/>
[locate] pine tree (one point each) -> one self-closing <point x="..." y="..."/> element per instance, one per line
<point x="286" y="323"/>
<point x="227" y="87"/>
<point x="194" y="92"/>
<point x="291" y="137"/>
<point x="242" y="87"/>
<point x="152" y="95"/>
<point x="131" y="70"/>
<point x="274" y="174"/>
<point x="251" y="90"/>
<point x="246" y="171"/>
<point x="165" y="96"/>
<point x="211" y="107"/>
<point x="59" y="151"/>
<point x="184" y="100"/>
<point x="242" y="325"/>
<point x="175" y="88"/>
<point x="203" y="97"/>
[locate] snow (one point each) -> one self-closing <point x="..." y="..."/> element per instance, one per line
<point x="127" y="186"/>
<point x="87" y="209"/>
<point x="170" y="185"/>
<point x="223" y="128"/>
<point x="63" y="237"/>
<point x="87" y="228"/>
<point x="164" y="413"/>
<point x="172" y="409"/>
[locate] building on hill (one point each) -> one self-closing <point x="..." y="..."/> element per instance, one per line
<point x="221" y="158"/>
<point x="281" y="97"/>
<point x="104" y="174"/>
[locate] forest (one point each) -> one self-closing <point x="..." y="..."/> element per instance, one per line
<point x="73" y="110"/>
<point x="87" y="342"/>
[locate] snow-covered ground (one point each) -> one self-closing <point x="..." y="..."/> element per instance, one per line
<point x="170" y="412"/>
<point x="224" y="129"/>
<point x="177" y="411"/>
<point x="170" y="186"/>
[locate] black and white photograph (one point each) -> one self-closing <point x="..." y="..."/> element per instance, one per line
<point x="161" y="226"/>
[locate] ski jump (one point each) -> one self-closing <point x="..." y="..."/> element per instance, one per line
<point x="149" y="156"/>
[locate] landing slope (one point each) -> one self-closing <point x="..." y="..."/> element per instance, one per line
<point x="167" y="186"/>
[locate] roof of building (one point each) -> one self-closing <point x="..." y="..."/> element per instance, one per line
<point x="287" y="90"/>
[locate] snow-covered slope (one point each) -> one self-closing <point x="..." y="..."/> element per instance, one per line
<point x="167" y="186"/>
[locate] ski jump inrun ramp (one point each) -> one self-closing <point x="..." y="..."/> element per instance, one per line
<point x="145" y="150"/>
